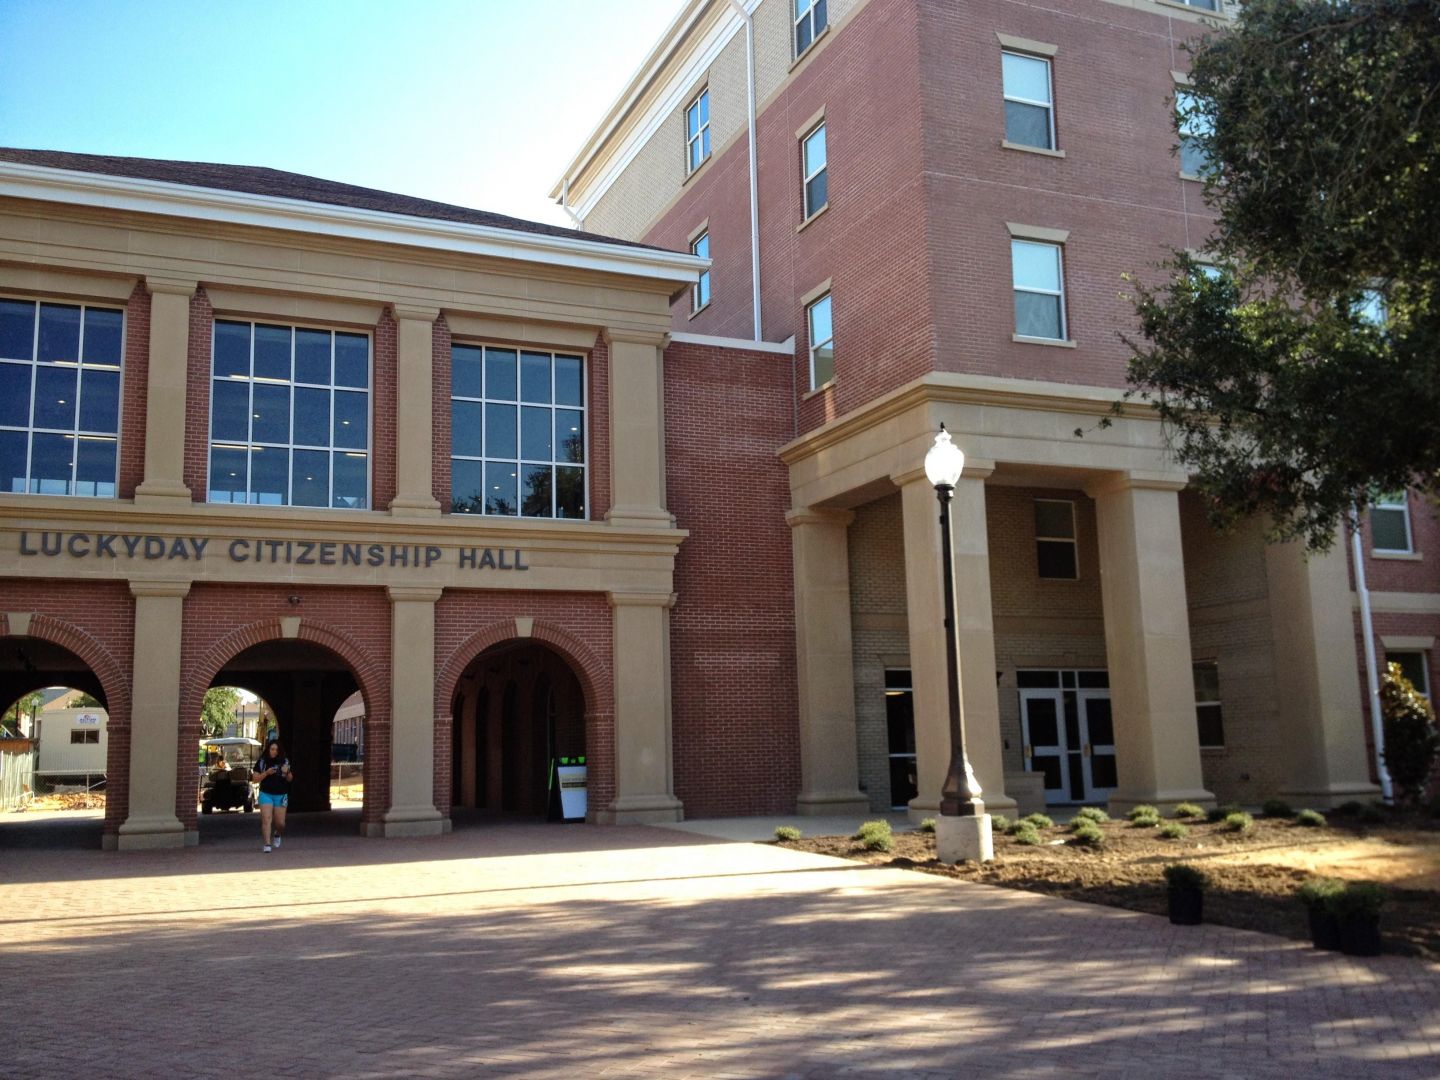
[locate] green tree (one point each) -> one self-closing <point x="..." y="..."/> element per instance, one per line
<point x="1411" y="741"/>
<point x="218" y="709"/>
<point x="1306" y="375"/>
<point x="28" y="705"/>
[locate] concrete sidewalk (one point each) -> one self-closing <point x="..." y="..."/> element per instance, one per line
<point x="550" y="951"/>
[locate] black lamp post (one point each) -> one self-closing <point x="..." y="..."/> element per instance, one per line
<point x="960" y="797"/>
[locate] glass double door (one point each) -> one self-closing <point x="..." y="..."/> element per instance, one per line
<point x="1069" y="734"/>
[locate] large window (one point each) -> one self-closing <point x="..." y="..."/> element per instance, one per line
<point x="815" y="163"/>
<point x="822" y="342"/>
<point x="809" y="22"/>
<point x="1193" y="127"/>
<point x="59" y="397"/>
<point x="900" y="729"/>
<point x="1055" y="554"/>
<point x="1038" y="277"/>
<point x="289" y="416"/>
<point x="1207" y="704"/>
<point x="1414" y="666"/>
<point x="1029" y="108"/>
<point x="697" y="131"/>
<point x="1390" y="523"/>
<point x="700" y="294"/>
<point x="517" y="432"/>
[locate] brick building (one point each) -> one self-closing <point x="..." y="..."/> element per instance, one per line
<point x="934" y="204"/>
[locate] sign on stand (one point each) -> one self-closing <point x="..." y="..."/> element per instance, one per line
<point x="570" y="776"/>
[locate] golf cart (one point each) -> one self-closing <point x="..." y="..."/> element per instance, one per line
<point x="225" y="783"/>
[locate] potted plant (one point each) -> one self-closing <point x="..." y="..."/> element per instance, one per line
<point x="1317" y="895"/>
<point x="1186" y="887"/>
<point x="1357" y="907"/>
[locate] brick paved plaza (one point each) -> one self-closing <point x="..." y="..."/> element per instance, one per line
<point x="550" y="951"/>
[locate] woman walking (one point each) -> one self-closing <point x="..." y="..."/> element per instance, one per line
<point x="274" y="776"/>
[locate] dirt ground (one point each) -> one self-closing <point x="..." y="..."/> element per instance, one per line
<point x="1253" y="876"/>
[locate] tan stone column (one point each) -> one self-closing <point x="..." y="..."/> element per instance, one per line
<point x="1320" y="715"/>
<point x="644" y="781"/>
<point x="829" y="772"/>
<point x="637" y="430"/>
<point x="975" y="636"/>
<point x="155" y="718"/>
<point x="164" y="482"/>
<point x="1147" y="640"/>
<point x="414" y="349"/>
<point x="412" y="714"/>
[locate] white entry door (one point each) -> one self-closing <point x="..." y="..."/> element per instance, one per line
<point x="1068" y="734"/>
<point x="1041" y="721"/>
<point x="1097" y="730"/>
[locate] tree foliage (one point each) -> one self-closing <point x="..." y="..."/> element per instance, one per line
<point x="218" y="709"/>
<point x="1411" y="741"/>
<point x="1280" y="388"/>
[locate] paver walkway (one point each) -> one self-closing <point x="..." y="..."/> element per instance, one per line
<point x="550" y="951"/>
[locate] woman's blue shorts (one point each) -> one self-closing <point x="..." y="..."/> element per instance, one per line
<point x="266" y="799"/>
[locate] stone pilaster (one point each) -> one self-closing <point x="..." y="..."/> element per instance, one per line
<point x="164" y="481"/>
<point x="637" y="430"/>
<point x="412" y="714"/>
<point x="414" y="333"/>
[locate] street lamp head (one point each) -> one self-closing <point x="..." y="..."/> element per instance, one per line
<point x="944" y="462"/>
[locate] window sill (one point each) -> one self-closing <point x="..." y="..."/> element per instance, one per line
<point x="1213" y="749"/>
<point x="696" y="311"/>
<point x="1183" y="176"/>
<point x="806" y="223"/>
<point x="808" y="48"/>
<point x="818" y="390"/>
<point x="1006" y="144"/>
<point x="1223" y="16"/>
<point x="1398" y="556"/>
<point x="698" y="170"/>
<point x="1055" y="342"/>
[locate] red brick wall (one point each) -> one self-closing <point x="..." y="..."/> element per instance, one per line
<point x="95" y="621"/>
<point x="598" y="372"/>
<point x="135" y="391"/>
<point x="383" y="386"/>
<point x="197" y="396"/>
<point x="440" y="414"/>
<point x="1407" y="575"/>
<point x="732" y="633"/>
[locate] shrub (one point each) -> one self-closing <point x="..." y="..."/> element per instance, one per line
<point x="1025" y="833"/>
<point x="1319" y="891"/>
<point x="1184" y="876"/>
<point x="1091" y="813"/>
<point x="1040" y="821"/>
<point x="1357" y="898"/>
<point x="1411" y="740"/>
<point x="1349" y="809"/>
<point x="1143" y="810"/>
<point x="928" y="825"/>
<point x="1220" y="813"/>
<point x="1189" y="810"/>
<point x="999" y="823"/>
<point x="1173" y="830"/>
<point x="1087" y="833"/>
<point x="787" y="832"/>
<point x="1144" y="821"/>
<point x="1277" y="808"/>
<point x="1372" y="814"/>
<point x="1239" y="821"/>
<point x="1310" y="819"/>
<point x="876" y="836"/>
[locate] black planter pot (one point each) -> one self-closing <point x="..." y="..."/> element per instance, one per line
<point x="1360" y="934"/>
<point x="1324" y="927"/>
<point x="1187" y="907"/>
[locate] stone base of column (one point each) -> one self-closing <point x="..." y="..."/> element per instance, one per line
<point x="161" y="493"/>
<point x="641" y="810"/>
<point x="404" y="507"/>
<point x="640" y="517"/>
<point x="1330" y="795"/>
<point x="917" y="809"/>
<point x="964" y="839"/>
<point x="413" y="821"/>
<point x="1028" y="790"/>
<point x="836" y="803"/>
<point x="149" y="834"/>
<point x="1121" y="803"/>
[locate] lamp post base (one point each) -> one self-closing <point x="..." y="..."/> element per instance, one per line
<point x="964" y="839"/>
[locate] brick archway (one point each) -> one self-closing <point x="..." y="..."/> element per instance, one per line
<point x="373" y="691"/>
<point x="116" y="684"/>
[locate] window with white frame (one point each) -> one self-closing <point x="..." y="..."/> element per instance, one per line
<point x="59" y="397"/>
<point x="517" y="432"/>
<point x="1207" y="5"/>
<point x="697" y="131"/>
<point x="700" y="294"/>
<point x="1208" y="713"/>
<point x="810" y="18"/>
<point x="1193" y="126"/>
<point x="1390" y="523"/>
<point x="814" y="162"/>
<point x="1415" y="666"/>
<point x="1038" y="276"/>
<point x="1055" y="547"/>
<point x="1029" y="105"/>
<point x="80" y="737"/>
<point x="289" y="416"/>
<point x="822" y="342"/>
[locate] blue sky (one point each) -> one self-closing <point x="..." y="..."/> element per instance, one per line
<point x="477" y="102"/>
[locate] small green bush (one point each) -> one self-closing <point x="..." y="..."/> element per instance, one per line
<point x="1372" y="815"/>
<point x="1025" y="833"/>
<point x="1310" y="819"/>
<point x="1091" y="813"/>
<point x="1357" y="898"/>
<point x="1412" y="742"/>
<point x="1040" y="821"/>
<point x="1277" y="808"/>
<point x="999" y="823"/>
<point x="787" y="832"/>
<point x="1239" y="821"/>
<point x="928" y="825"/>
<point x="1349" y="809"/>
<point x="1144" y="821"/>
<point x="876" y="836"/>
<point x="1184" y="876"/>
<point x="1319" y="890"/>
<point x="1173" y="830"/>
<point x="1219" y="813"/>
<point x="1087" y="834"/>
<point x="1143" y="810"/>
<point x="1189" y="810"/>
